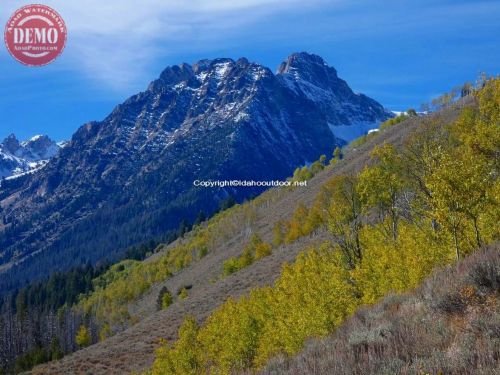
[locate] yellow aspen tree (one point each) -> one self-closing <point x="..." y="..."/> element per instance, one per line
<point x="381" y="186"/>
<point x="183" y="357"/>
<point x="344" y="217"/>
<point x="83" y="337"/>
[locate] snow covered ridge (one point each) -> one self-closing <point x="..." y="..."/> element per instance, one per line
<point x="406" y="113"/>
<point x="19" y="158"/>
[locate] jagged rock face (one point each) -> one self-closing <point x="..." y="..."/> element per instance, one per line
<point x="309" y="76"/>
<point x="40" y="147"/>
<point x="17" y="158"/>
<point x="130" y="177"/>
<point x="10" y="144"/>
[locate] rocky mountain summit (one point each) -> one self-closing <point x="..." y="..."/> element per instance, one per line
<point x="130" y="177"/>
<point x="21" y="157"/>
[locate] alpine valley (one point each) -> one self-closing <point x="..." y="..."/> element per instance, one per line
<point x="129" y="178"/>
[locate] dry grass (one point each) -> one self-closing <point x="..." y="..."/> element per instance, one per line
<point x="450" y="325"/>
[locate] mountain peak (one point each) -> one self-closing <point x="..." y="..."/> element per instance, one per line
<point x="308" y="67"/>
<point x="37" y="139"/>
<point x="300" y="65"/>
<point x="20" y="157"/>
<point x="40" y="147"/>
<point x="300" y="60"/>
<point x="207" y="64"/>
<point x="184" y="72"/>
<point x="176" y="74"/>
<point x="10" y="136"/>
<point x="10" y="143"/>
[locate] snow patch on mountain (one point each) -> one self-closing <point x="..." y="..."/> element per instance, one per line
<point x="221" y="69"/>
<point x="349" y="133"/>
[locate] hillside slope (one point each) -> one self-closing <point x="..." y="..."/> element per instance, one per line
<point x="449" y="325"/>
<point x="409" y="211"/>
<point x="130" y="178"/>
<point x="133" y="349"/>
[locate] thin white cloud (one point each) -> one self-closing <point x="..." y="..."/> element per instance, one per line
<point x="115" y="41"/>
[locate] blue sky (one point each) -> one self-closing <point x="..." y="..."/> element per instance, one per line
<point x="401" y="53"/>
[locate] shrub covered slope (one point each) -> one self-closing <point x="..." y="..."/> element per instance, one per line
<point x="408" y="212"/>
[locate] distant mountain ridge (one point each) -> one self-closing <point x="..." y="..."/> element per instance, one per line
<point x="21" y="157"/>
<point x="130" y="177"/>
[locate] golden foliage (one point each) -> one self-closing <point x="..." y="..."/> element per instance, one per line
<point x="254" y="250"/>
<point x="128" y="280"/>
<point x="83" y="337"/>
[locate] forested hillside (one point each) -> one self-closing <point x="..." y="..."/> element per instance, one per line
<point x="261" y="278"/>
